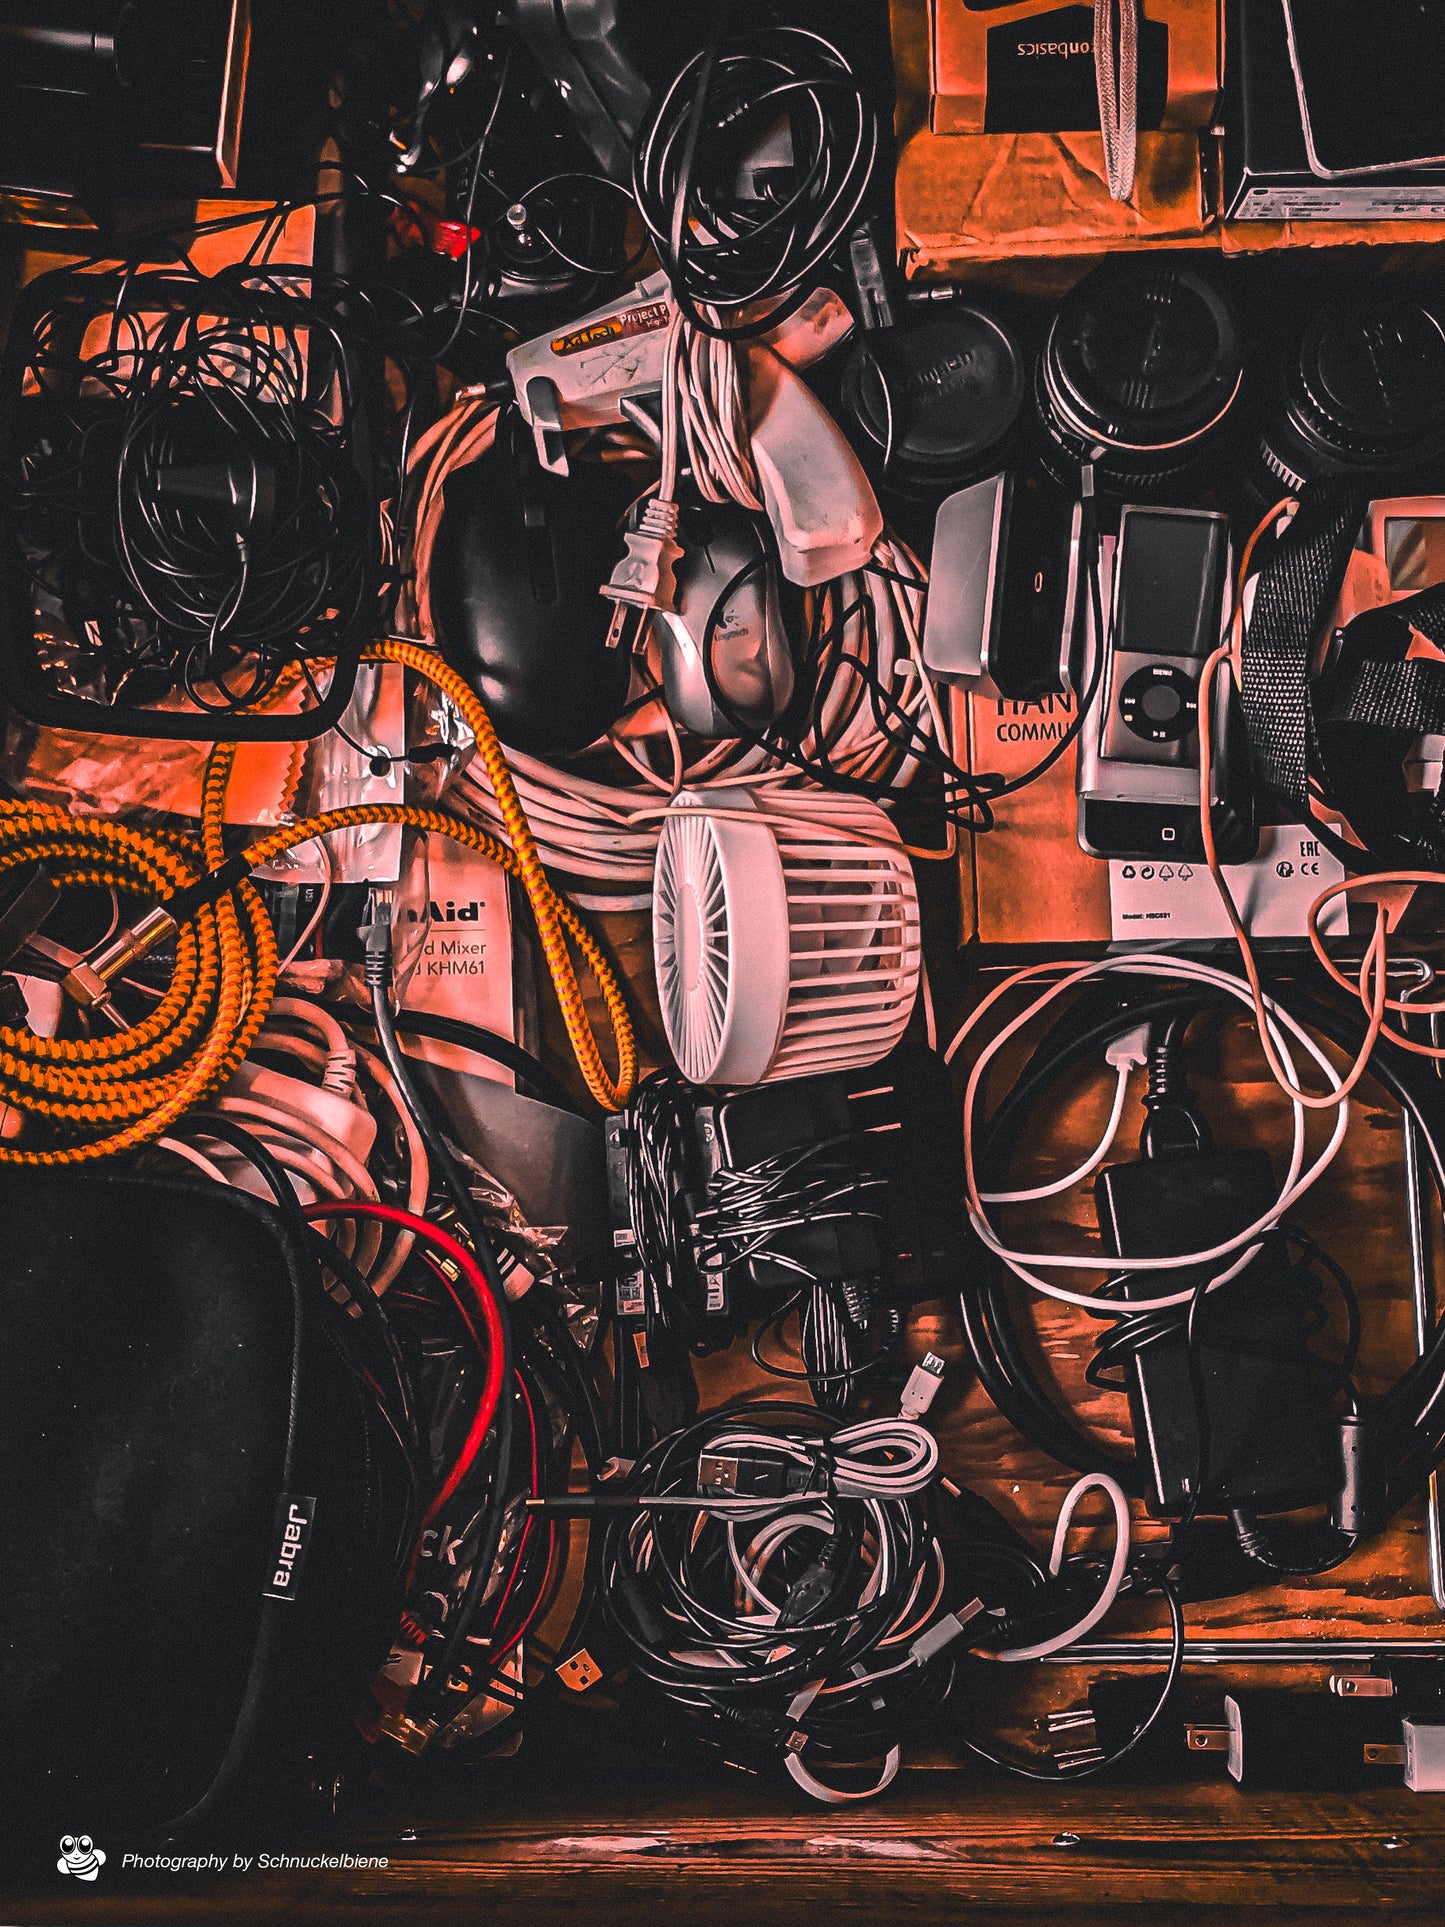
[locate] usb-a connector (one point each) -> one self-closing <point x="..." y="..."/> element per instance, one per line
<point x="717" y="1473"/>
<point x="748" y="1475"/>
<point x="922" y="1387"/>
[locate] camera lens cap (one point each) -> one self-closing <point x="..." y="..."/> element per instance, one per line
<point x="1143" y="354"/>
<point x="941" y="396"/>
<point x="1369" y="392"/>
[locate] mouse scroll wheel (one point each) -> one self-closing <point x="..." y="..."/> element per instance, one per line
<point x="541" y="557"/>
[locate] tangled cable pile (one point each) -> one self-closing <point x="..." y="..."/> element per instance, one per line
<point x="865" y="717"/>
<point x="184" y="488"/>
<point x="106" y="1095"/>
<point x="726" y="247"/>
<point x="816" y="1633"/>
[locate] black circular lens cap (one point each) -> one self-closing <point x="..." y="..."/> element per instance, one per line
<point x="941" y="395"/>
<point x="1145" y="353"/>
<point x="1374" y="373"/>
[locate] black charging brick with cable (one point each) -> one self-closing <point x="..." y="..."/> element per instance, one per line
<point x="804" y="1124"/>
<point x="886" y="1135"/>
<point x="1265" y="1420"/>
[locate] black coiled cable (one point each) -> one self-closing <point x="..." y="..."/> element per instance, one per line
<point x="732" y="1618"/>
<point x="184" y="486"/>
<point x="660" y="1159"/>
<point x="722" y="247"/>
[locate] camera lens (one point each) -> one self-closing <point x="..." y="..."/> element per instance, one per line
<point x="1359" y="392"/>
<point x="1139" y="374"/>
<point x="936" y="402"/>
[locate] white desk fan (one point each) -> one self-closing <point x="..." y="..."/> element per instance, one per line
<point x="785" y="934"/>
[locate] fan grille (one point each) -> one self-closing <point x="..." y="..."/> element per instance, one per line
<point x="853" y="946"/>
<point x="692" y="942"/>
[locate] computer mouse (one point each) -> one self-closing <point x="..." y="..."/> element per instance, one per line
<point x="727" y="606"/>
<point x="517" y="570"/>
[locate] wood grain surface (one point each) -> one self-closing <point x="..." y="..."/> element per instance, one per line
<point x="945" y="1847"/>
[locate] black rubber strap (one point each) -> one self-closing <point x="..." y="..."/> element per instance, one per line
<point x="211" y="888"/>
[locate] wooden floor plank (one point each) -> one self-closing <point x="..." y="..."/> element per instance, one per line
<point x="726" y="1855"/>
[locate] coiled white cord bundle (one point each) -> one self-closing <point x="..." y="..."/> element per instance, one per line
<point x="885" y="1458"/>
<point x="1233" y="1254"/>
<point x="705" y="389"/>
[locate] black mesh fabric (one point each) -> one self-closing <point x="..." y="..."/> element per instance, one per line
<point x="1294" y="594"/>
<point x="145" y="1386"/>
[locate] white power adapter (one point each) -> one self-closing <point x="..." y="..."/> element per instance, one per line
<point x="1424" y="1756"/>
<point x="818" y="499"/>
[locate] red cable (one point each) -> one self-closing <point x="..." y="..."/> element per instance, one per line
<point x="491" y="1316"/>
<point x="476" y="1433"/>
<point x="491" y="1389"/>
<point x="531" y="1619"/>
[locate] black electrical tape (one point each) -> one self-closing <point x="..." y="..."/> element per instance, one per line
<point x="214" y="885"/>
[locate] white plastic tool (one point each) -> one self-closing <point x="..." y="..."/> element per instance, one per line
<point x="821" y="504"/>
<point x="785" y="935"/>
<point x="580" y="376"/>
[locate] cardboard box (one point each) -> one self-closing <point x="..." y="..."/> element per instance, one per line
<point x="1027" y="886"/>
<point x="1028" y="67"/>
<point x="1266" y="170"/>
<point x="963" y="198"/>
<point x="1035" y="208"/>
<point x="989" y="197"/>
<point x="1027" y="882"/>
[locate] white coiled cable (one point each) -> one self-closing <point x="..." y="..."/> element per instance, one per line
<point x="1235" y="1253"/>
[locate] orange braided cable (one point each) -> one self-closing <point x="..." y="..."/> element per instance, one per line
<point x="553" y="916"/>
<point x="115" y="1092"/>
<point x="555" y="919"/>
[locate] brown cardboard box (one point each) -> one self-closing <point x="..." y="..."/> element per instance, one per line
<point x="968" y="198"/>
<point x="981" y="196"/>
<point x="1027" y="881"/>
<point x="1028" y="67"/>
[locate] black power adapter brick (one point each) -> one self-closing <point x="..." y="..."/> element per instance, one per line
<point x="889" y="1137"/>
<point x="790" y="1123"/>
<point x="1268" y="1441"/>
